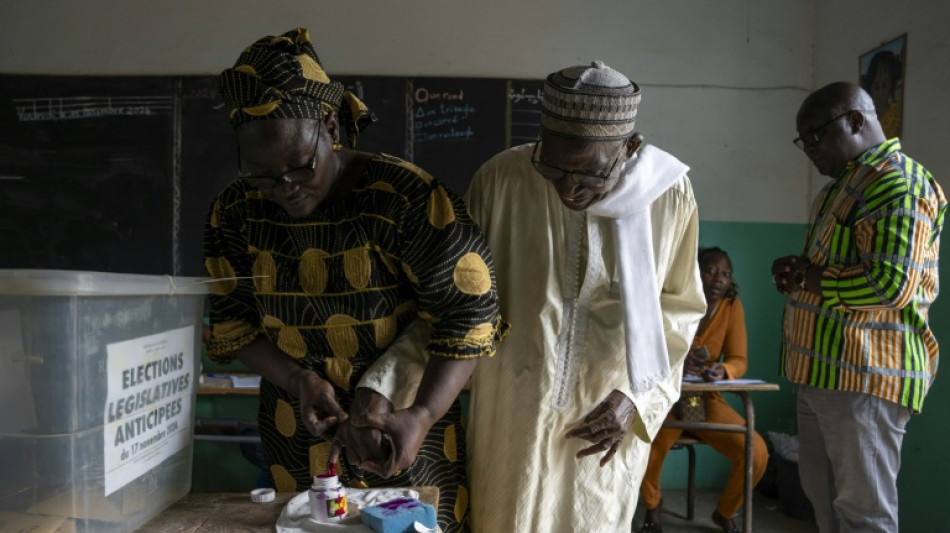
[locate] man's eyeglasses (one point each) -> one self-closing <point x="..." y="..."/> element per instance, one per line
<point x="296" y="176"/>
<point x="584" y="179"/>
<point x="812" y="138"/>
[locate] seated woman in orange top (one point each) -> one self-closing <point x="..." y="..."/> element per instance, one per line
<point x="722" y="332"/>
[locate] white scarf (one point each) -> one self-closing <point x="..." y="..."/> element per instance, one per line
<point x="647" y="174"/>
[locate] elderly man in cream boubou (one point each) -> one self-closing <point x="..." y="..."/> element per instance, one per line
<point x="594" y="240"/>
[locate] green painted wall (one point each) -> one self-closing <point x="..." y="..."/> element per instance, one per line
<point x="922" y="485"/>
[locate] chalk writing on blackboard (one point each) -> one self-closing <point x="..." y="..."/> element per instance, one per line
<point x="80" y="107"/>
<point x="522" y="95"/>
<point x="524" y="111"/>
<point x="441" y="115"/>
<point x="454" y="125"/>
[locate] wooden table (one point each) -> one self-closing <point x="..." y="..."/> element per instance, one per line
<point x="234" y="512"/>
<point x="217" y="383"/>
<point x="743" y="391"/>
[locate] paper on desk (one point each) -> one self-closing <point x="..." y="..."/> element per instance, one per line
<point x="738" y="382"/>
<point x="295" y="518"/>
<point x="692" y="379"/>
<point x="245" y="382"/>
<point x="215" y="381"/>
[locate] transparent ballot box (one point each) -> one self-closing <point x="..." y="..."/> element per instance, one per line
<point x="98" y="375"/>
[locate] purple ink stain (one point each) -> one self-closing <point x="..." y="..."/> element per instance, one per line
<point x="393" y="507"/>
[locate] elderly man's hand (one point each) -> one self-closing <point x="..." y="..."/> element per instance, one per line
<point x="365" y="447"/>
<point x="405" y="429"/>
<point x="605" y="426"/>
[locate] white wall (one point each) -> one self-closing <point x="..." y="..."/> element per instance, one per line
<point x="722" y="79"/>
<point x="845" y="30"/>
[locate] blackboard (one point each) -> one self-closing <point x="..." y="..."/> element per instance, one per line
<point x="116" y="174"/>
<point x="455" y="124"/>
<point x="386" y="98"/>
<point x="85" y="173"/>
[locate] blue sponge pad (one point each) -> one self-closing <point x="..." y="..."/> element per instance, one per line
<point x="398" y="516"/>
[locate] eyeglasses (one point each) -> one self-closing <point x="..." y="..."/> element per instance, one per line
<point x="584" y="179"/>
<point x="295" y="176"/>
<point x="812" y="138"/>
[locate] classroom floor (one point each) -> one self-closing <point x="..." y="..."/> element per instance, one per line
<point x="766" y="518"/>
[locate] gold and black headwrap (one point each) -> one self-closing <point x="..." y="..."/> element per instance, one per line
<point x="281" y="77"/>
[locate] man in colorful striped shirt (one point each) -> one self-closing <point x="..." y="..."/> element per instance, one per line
<point x="856" y="337"/>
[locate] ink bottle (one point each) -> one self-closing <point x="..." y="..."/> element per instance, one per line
<point x="327" y="499"/>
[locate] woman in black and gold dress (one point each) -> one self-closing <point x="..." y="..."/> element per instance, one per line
<point x="323" y="256"/>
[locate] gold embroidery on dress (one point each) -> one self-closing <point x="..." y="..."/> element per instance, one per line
<point x="471" y="274"/>
<point x="313" y="271"/>
<point x="449" y="443"/>
<point x="265" y="273"/>
<point x="357" y="267"/>
<point x="284" y="419"/>
<point x="480" y="332"/>
<point x="291" y="341"/>
<point x="283" y="481"/>
<point x="461" y="503"/>
<point x="220" y="268"/>
<point x="319" y="456"/>
<point x="344" y="343"/>
<point x="385" y="329"/>
<point x="440" y="209"/>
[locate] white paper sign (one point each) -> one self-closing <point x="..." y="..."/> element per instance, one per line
<point x="148" y="408"/>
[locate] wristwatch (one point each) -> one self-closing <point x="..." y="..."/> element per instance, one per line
<point x="800" y="276"/>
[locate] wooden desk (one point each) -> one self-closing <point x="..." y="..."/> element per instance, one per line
<point x="205" y="387"/>
<point x="234" y="512"/>
<point x="743" y="391"/>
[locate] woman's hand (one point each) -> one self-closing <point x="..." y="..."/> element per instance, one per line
<point x="319" y="409"/>
<point x="405" y="429"/>
<point x="695" y="361"/>
<point x="365" y="447"/>
<point x="716" y="372"/>
<point x="605" y="426"/>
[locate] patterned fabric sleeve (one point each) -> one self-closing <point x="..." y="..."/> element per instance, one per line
<point x="451" y="271"/>
<point x="891" y="238"/>
<point x="235" y="321"/>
